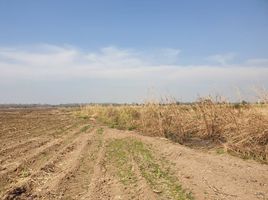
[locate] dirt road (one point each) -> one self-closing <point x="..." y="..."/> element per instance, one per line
<point x="51" y="154"/>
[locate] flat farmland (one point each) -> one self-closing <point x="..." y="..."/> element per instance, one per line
<point x="50" y="153"/>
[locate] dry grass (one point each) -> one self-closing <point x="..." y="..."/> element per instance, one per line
<point x="242" y="129"/>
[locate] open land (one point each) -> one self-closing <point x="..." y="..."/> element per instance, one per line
<point x="51" y="153"/>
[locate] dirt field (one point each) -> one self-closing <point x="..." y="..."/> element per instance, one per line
<point x="51" y="154"/>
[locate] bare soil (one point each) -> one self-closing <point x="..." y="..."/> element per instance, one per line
<point x="52" y="154"/>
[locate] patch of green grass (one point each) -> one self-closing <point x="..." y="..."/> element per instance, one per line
<point x="123" y="151"/>
<point x="100" y="137"/>
<point x="248" y="156"/>
<point x="119" y="155"/>
<point x="100" y="131"/>
<point x="156" y="175"/>
<point x="25" y="172"/>
<point x="85" y="128"/>
<point x="220" y="151"/>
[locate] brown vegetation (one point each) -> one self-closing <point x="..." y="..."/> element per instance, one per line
<point x="241" y="128"/>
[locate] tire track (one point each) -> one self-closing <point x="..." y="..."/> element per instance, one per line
<point x="105" y="182"/>
<point x="77" y="181"/>
<point x="122" y="165"/>
<point x="142" y="174"/>
<point x="101" y="185"/>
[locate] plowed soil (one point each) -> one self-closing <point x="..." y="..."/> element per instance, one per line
<point x="53" y="154"/>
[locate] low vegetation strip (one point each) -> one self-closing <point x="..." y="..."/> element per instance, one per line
<point x="242" y="129"/>
<point x="126" y="153"/>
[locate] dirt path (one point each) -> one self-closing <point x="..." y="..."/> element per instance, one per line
<point x="78" y="159"/>
<point x="209" y="175"/>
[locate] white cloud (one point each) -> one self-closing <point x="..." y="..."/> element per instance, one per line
<point x="47" y="61"/>
<point x="222" y="59"/>
<point x="50" y="63"/>
<point x="257" y="62"/>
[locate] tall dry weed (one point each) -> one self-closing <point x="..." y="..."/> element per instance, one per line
<point x="241" y="128"/>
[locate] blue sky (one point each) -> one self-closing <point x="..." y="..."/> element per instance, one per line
<point x="102" y="51"/>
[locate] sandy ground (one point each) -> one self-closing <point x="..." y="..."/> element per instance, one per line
<point x="50" y="154"/>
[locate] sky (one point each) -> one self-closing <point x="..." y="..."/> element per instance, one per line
<point x="80" y="51"/>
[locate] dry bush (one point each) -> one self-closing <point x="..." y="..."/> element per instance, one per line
<point x="252" y="140"/>
<point x="151" y="120"/>
<point x="241" y="128"/>
<point x="216" y="119"/>
<point x="178" y="122"/>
